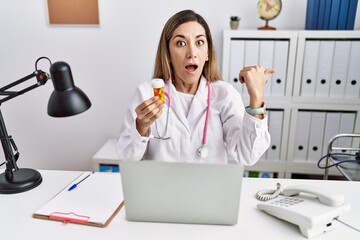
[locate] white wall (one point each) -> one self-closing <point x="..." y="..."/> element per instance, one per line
<point x="107" y="62"/>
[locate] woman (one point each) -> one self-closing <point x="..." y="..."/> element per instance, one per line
<point x="204" y="118"/>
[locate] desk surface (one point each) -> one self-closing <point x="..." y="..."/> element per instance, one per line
<point x="16" y="220"/>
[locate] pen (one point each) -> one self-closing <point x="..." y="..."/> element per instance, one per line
<point x="76" y="184"/>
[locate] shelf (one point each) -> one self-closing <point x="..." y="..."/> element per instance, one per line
<point x="303" y="93"/>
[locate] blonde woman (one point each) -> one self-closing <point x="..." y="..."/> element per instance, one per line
<point x="203" y="119"/>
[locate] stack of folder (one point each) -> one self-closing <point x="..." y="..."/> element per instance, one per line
<point x="330" y="14"/>
<point x="331" y="69"/>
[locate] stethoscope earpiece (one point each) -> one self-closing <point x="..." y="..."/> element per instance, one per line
<point x="203" y="152"/>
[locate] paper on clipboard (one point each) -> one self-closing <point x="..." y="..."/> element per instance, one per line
<point x="93" y="202"/>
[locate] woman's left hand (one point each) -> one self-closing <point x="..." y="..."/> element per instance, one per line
<point x="255" y="78"/>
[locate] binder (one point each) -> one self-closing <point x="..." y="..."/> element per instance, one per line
<point x="275" y="130"/>
<point x="309" y="15"/>
<point x="334" y="14"/>
<point x="236" y="63"/>
<point x="326" y="51"/>
<point x="316" y="136"/>
<point x="266" y="53"/>
<point x="332" y="124"/>
<point x="340" y="63"/>
<point x="280" y="64"/>
<point x="346" y="126"/>
<point x="321" y="14"/>
<point x="251" y="56"/>
<point x="251" y="52"/>
<point x="312" y="9"/>
<point x="327" y="15"/>
<point x="302" y="135"/>
<point x="352" y="89"/>
<point x="94" y="202"/>
<point x="351" y="15"/>
<point x="343" y="14"/>
<point x="310" y="64"/>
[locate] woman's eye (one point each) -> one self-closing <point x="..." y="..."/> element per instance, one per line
<point x="180" y="43"/>
<point x="201" y="42"/>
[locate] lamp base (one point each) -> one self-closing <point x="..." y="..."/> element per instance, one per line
<point x="22" y="180"/>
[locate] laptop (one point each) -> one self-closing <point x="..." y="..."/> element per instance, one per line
<point x="181" y="192"/>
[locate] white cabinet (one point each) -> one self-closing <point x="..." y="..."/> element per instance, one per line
<point x="314" y="94"/>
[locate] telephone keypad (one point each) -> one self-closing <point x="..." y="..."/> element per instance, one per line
<point x="287" y="201"/>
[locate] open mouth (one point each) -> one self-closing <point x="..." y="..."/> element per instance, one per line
<point x="191" y="67"/>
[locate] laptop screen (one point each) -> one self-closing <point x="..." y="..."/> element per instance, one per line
<point x="181" y="192"/>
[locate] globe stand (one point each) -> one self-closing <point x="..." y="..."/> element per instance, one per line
<point x="266" y="27"/>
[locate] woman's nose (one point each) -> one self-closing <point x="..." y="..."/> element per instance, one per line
<point x="191" y="52"/>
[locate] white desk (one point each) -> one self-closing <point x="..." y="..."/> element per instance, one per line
<point x="16" y="220"/>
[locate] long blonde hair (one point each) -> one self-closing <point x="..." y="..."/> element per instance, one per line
<point x="163" y="68"/>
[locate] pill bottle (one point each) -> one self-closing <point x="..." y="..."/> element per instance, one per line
<point x="158" y="87"/>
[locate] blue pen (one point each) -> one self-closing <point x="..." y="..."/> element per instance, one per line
<point x="76" y="184"/>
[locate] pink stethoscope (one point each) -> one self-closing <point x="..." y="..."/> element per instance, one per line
<point x="203" y="151"/>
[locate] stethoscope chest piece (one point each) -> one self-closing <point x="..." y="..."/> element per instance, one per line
<point x="203" y="152"/>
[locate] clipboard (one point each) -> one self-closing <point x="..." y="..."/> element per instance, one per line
<point x="94" y="202"/>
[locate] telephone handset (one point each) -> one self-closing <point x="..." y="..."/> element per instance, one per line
<point x="312" y="208"/>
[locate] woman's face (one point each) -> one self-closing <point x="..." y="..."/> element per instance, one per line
<point x="188" y="52"/>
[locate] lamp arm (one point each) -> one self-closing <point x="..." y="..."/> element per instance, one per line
<point x="7" y="142"/>
<point x="41" y="78"/>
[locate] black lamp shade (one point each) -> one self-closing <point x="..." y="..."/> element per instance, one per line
<point x="66" y="99"/>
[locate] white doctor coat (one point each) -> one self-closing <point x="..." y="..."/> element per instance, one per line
<point x="230" y="129"/>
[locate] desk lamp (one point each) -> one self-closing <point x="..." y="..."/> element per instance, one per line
<point x="66" y="100"/>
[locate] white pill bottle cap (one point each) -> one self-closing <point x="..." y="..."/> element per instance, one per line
<point x="157" y="83"/>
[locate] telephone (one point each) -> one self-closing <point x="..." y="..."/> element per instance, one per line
<point x="312" y="208"/>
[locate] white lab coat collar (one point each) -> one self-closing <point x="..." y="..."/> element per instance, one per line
<point x="198" y="106"/>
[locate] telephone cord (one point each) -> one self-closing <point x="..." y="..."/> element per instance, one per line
<point x="348" y="225"/>
<point x="268" y="194"/>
